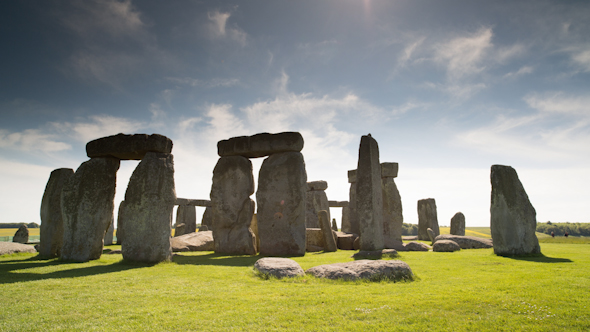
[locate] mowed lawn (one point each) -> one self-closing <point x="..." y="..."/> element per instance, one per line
<point x="470" y="290"/>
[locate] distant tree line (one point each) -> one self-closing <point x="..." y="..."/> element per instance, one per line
<point x="574" y="228"/>
<point x="409" y="229"/>
<point x="17" y="225"/>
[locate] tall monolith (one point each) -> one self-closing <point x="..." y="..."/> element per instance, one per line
<point x="458" y="224"/>
<point x="147" y="212"/>
<point x="427" y="218"/>
<point x="87" y="202"/>
<point x="327" y="233"/>
<point x="513" y="219"/>
<point x="187" y="215"/>
<point x="369" y="196"/>
<point x="353" y="220"/>
<point x="52" y="226"/>
<point x="393" y="218"/>
<point x="108" y="236"/>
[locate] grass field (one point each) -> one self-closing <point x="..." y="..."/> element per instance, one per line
<point x="11" y="231"/>
<point x="469" y="290"/>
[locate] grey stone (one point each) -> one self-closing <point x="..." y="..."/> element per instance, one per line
<point x="393" y="218"/>
<point x="232" y="208"/>
<point x="352" y="176"/>
<point x="427" y="218"/>
<point x="513" y="218"/>
<point x="187" y="215"/>
<point x="260" y="145"/>
<point x="87" y="203"/>
<point x="341" y="204"/>
<point x="282" y="185"/>
<point x="458" y="224"/>
<point x="317" y="185"/>
<point x="128" y="147"/>
<point x="315" y="201"/>
<point x="179" y="230"/>
<point x="7" y="248"/>
<point x="346" y="240"/>
<point x="397" y="245"/>
<point x="329" y="240"/>
<point x="431" y="234"/>
<point x="312" y="248"/>
<point x="353" y="219"/>
<point x="416" y="246"/>
<point x="203" y="228"/>
<point x="21" y="235"/>
<point x="356" y="245"/>
<point x="364" y="269"/>
<point x="52" y="226"/>
<point x="254" y="228"/>
<point x="334" y="225"/>
<point x="197" y="241"/>
<point x="369" y="201"/>
<point x="467" y="242"/>
<point x="389" y="170"/>
<point x="314" y="237"/>
<point x="120" y="222"/>
<point x="278" y="267"/>
<point x="192" y="202"/>
<point x="445" y="246"/>
<point x="108" y="236"/>
<point x="410" y="238"/>
<point x="376" y="254"/>
<point x="345" y="222"/>
<point x="207" y="219"/>
<point x="149" y="203"/>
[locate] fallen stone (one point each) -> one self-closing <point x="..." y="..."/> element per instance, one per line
<point x="87" y="203"/>
<point x="376" y="270"/>
<point x="128" y="147"/>
<point x="193" y="202"/>
<point x="21" y="235"/>
<point x="260" y="145"/>
<point x="187" y="215"/>
<point x="346" y="240"/>
<point x="431" y="235"/>
<point x="513" y="219"/>
<point x="278" y="267"/>
<point x="198" y="241"/>
<point x="341" y="204"/>
<point x="149" y="203"/>
<point x="52" y="226"/>
<point x="427" y="218"/>
<point x="467" y="242"/>
<point x="458" y="224"/>
<point x="417" y="246"/>
<point x="376" y="254"/>
<point x="445" y="246"/>
<point x="7" y="248"/>
<point x="329" y="240"/>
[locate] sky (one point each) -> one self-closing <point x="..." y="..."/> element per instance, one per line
<point x="447" y="88"/>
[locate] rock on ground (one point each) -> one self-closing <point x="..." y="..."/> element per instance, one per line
<point x="52" y="225"/>
<point x="21" y="235"/>
<point x="346" y="240"/>
<point x="198" y="241"/>
<point x="7" y="248"/>
<point x="128" y="147"/>
<point x="467" y="242"/>
<point x="364" y="269"/>
<point x="260" y="145"/>
<point x="416" y="246"/>
<point x="445" y="246"/>
<point x="278" y="267"/>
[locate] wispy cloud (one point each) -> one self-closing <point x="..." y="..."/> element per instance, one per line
<point x="97" y="126"/>
<point x="462" y="56"/>
<point x="32" y="140"/>
<point x="211" y="83"/>
<point x="218" y="28"/>
<point x="520" y="72"/>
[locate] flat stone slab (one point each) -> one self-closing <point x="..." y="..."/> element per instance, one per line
<point x="376" y="254"/>
<point x="7" y="248"/>
<point x="417" y="246"/>
<point x="467" y="242"/>
<point x="128" y="147"/>
<point x="445" y="246"/>
<point x="389" y="170"/>
<point x="410" y="237"/>
<point x="193" y="202"/>
<point x="364" y="269"/>
<point x="338" y="203"/>
<point x="317" y="185"/>
<point x="278" y="267"/>
<point x="197" y="241"/>
<point x="260" y="145"/>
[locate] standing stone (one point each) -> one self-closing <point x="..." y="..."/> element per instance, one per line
<point x="21" y="235"/>
<point x="352" y="211"/>
<point x="431" y="234"/>
<point x="316" y="200"/>
<point x="458" y="224"/>
<point x="393" y="218"/>
<point x="329" y="240"/>
<point x="179" y="230"/>
<point x="282" y="185"/>
<point x="87" y="202"/>
<point x="108" y="236"/>
<point x="232" y="208"/>
<point x="345" y="222"/>
<point x="513" y="217"/>
<point x="52" y="226"/>
<point x="369" y="200"/>
<point x="147" y="213"/>
<point x="207" y="219"/>
<point x="254" y="228"/>
<point x="187" y="215"/>
<point x="427" y="218"/>
<point x="334" y="225"/>
<point x="120" y="222"/>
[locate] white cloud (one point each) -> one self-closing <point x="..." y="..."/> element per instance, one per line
<point x="462" y="56"/>
<point x="32" y="140"/>
<point x="98" y="126"/>
<point x="408" y="51"/>
<point x="218" y="28"/>
<point x="582" y="58"/>
<point x="558" y="102"/>
<point x="521" y="71"/>
<point x="211" y="83"/>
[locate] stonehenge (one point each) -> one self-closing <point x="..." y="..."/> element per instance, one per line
<point x="458" y="224"/>
<point x="392" y="206"/>
<point x="52" y="227"/>
<point x="21" y="235"/>
<point x="315" y="201"/>
<point x="427" y="218"/>
<point x="351" y="223"/>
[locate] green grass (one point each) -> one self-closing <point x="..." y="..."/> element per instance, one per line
<point x="11" y="231"/>
<point x="469" y="290"/>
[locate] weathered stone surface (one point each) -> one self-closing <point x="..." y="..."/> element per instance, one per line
<point x="352" y="176"/>
<point x="393" y="218"/>
<point x="376" y="254"/>
<point x="7" y="248"/>
<point x="207" y="219"/>
<point x="21" y="235"/>
<point x="329" y="240"/>
<point x="334" y="225"/>
<point x="232" y="208"/>
<point x="345" y="222"/>
<point x="445" y="246"/>
<point x="352" y="210"/>
<point x="128" y="147"/>
<point x="356" y="245"/>
<point x="431" y="235"/>
<point x="254" y="228"/>
<point x="467" y="242"/>
<point x="346" y="240"/>
<point x="52" y="226"/>
<point x="198" y="241"/>
<point x="513" y="218"/>
<point x="417" y="246"/>
<point x="341" y="204"/>
<point x="282" y="185"/>
<point x="317" y="185"/>
<point x="87" y="203"/>
<point x="364" y="269"/>
<point x="260" y="145"/>
<point x="315" y="201"/>
<point x="315" y="237"/>
<point x="427" y="218"/>
<point x="410" y="237"/>
<point x="203" y="228"/>
<point x="108" y="236"/>
<point x="369" y="200"/>
<point x="312" y="248"/>
<point x="187" y="215"/>
<point x="192" y="202"/>
<point x="458" y="224"/>
<point x="389" y="170"/>
<point x="120" y="222"/>
<point x="149" y="203"/>
<point x="278" y="267"/>
<point x="397" y="245"/>
<point x="179" y="230"/>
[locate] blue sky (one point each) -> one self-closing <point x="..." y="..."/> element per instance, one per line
<point x="447" y="88"/>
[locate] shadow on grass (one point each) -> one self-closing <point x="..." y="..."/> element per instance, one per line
<point x="540" y="258"/>
<point x="13" y="271"/>
<point x="215" y="259"/>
